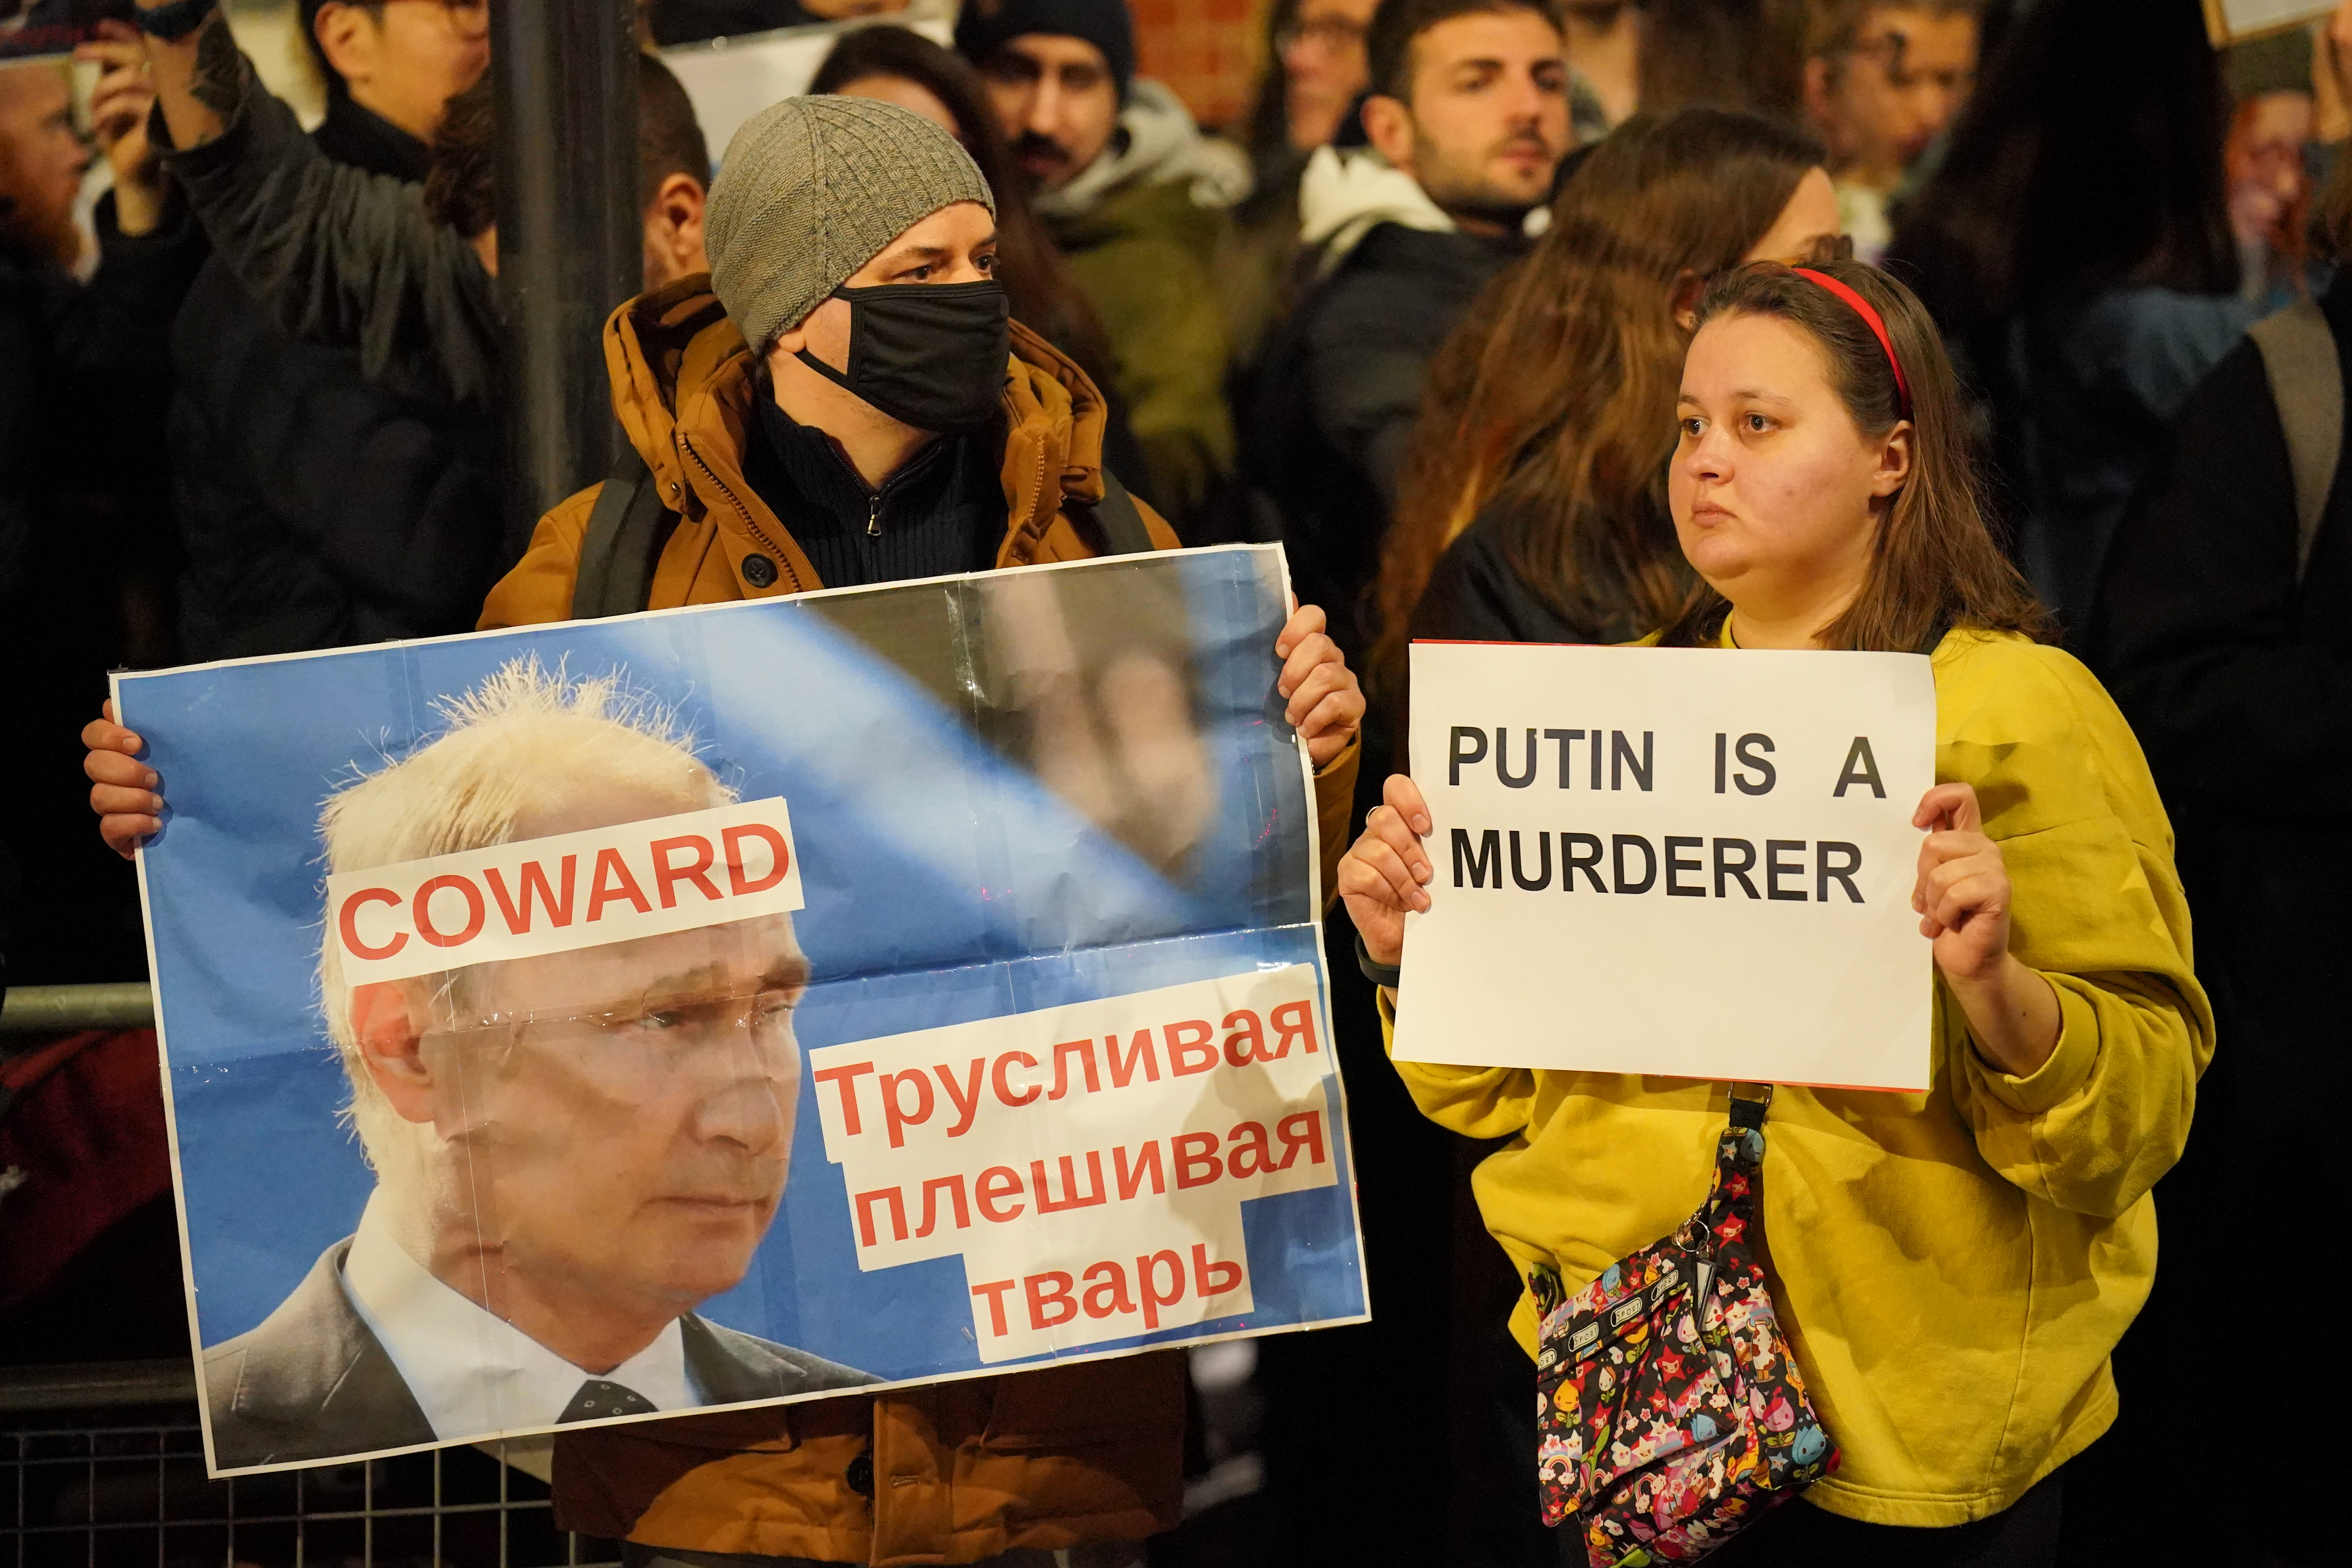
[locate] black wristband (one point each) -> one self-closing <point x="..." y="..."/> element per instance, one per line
<point x="1383" y="974"/>
<point x="175" y="21"/>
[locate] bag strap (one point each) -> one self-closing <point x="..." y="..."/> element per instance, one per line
<point x="625" y="538"/>
<point x="2306" y="381"/>
<point x="1122" y="525"/>
<point x="1748" y="1109"/>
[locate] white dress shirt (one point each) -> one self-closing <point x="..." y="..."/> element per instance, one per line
<point x="472" y="1373"/>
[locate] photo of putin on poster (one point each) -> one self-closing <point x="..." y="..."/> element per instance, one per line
<point x="572" y="1150"/>
<point x="733" y="1005"/>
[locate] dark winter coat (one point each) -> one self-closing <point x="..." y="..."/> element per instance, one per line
<point x="341" y="254"/>
<point x="2082" y="390"/>
<point x="1473" y="594"/>
<point x="320" y="508"/>
<point x="80" y="377"/>
<point x="1337" y="398"/>
<point x="2238" y="679"/>
<point x="83" y="512"/>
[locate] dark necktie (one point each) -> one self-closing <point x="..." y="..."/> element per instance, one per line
<point x="598" y="1400"/>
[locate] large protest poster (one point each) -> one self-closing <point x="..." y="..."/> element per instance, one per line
<point x="1679" y="862"/>
<point x="733" y="1004"/>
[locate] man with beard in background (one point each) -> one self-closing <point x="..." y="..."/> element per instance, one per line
<point x="1137" y="199"/>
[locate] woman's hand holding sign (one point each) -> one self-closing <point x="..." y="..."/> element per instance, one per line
<point x="1383" y="873"/>
<point x="1962" y="895"/>
<point x="1963" y="899"/>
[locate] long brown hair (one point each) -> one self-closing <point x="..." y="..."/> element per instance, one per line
<point x="1934" y="566"/>
<point x="1734" y="54"/>
<point x="1553" y="403"/>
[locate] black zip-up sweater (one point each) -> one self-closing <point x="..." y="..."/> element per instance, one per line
<point x="943" y="513"/>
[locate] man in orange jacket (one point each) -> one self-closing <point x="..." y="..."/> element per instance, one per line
<point x="841" y="402"/>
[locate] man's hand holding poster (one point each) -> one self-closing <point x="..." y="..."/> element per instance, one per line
<point x="731" y="1006"/>
<point x="1680" y="862"/>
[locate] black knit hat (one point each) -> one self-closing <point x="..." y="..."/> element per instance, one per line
<point x="985" y="25"/>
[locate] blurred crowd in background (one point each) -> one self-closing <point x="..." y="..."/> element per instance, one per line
<point x="1385" y="280"/>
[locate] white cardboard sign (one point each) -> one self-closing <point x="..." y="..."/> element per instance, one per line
<point x="1682" y="862"/>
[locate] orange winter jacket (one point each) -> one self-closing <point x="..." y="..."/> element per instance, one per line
<point x="953" y="1472"/>
<point x="683" y="382"/>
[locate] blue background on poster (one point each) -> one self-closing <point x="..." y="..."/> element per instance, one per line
<point x="950" y="886"/>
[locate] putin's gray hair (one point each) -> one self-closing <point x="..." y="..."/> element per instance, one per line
<point x="524" y="739"/>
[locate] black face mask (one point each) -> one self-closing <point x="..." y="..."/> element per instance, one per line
<point x="932" y="354"/>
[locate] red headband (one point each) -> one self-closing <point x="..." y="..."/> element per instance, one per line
<point x="1870" y="318"/>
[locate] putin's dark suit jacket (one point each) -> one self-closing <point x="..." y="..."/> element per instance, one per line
<point x="312" y="1382"/>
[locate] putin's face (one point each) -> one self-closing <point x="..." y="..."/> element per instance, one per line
<point x="615" y="1121"/>
<point x="625" y="1113"/>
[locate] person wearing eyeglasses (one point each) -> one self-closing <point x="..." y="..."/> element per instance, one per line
<point x="1324" y="66"/>
<point x="1882" y="81"/>
<point x="1316" y="66"/>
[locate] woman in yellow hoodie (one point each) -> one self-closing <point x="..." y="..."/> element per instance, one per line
<point x="1952" y="1268"/>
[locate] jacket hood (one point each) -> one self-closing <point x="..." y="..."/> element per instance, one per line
<point x="1343" y="196"/>
<point x="683" y="381"/>
<point x="1156" y="143"/>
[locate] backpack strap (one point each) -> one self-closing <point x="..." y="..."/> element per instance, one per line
<point x="627" y="530"/>
<point x="2308" y="385"/>
<point x="1122" y="525"/>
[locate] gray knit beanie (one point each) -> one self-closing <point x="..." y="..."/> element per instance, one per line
<point x="813" y="189"/>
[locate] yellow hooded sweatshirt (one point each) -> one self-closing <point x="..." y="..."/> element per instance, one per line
<point x="1952" y="1268"/>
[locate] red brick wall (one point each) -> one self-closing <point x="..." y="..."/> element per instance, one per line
<point x="1207" y="50"/>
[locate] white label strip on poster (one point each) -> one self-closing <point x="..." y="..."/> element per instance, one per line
<point x="1682" y="862"/>
<point x="570" y="890"/>
<point x="1089" y="1163"/>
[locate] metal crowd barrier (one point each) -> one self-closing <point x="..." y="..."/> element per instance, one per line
<point x="102" y="1466"/>
<point x="30" y="1009"/>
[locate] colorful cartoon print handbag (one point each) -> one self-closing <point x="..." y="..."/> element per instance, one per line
<point x="1669" y="1412"/>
